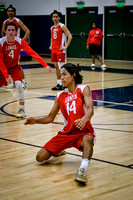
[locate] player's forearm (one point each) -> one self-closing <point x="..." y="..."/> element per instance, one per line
<point x="26" y="34"/>
<point x="69" y="41"/>
<point x="89" y="114"/>
<point x="43" y="120"/>
<point x="3" y="34"/>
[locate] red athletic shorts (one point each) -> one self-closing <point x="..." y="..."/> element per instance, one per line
<point x="61" y="141"/>
<point x="58" y="57"/>
<point x="15" y="72"/>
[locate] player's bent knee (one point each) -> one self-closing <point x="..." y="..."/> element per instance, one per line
<point x="43" y="155"/>
<point x="20" y="91"/>
<point x="18" y="85"/>
<point x="88" y="139"/>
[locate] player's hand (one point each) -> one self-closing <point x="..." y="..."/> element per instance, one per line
<point x="50" y="47"/>
<point x="9" y="80"/>
<point x="49" y="68"/>
<point x="63" y="47"/>
<point x="95" y="36"/>
<point x="80" y="123"/>
<point x="30" y="121"/>
<point x="87" y="47"/>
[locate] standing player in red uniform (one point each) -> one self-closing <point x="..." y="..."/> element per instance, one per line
<point x="58" y="45"/>
<point x="10" y="47"/>
<point x="11" y="12"/>
<point x="76" y="105"/>
<point x="93" y="44"/>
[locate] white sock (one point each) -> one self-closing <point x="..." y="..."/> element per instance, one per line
<point x="59" y="81"/>
<point x="22" y="107"/>
<point x="23" y="80"/>
<point x="84" y="163"/>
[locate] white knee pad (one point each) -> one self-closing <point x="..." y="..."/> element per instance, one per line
<point x="20" y="91"/>
<point x="60" y="64"/>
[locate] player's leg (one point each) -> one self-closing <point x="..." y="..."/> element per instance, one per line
<point x="92" y="52"/>
<point x="24" y="83"/>
<point x="20" y="92"/>
<point x="60" y="61"/>
<point x="43" y="155"/>
<point x="59" y="82"/>
<point x="16" y="75"/>
<point x="87" y="146"/>
<point x="54" y="60"/>
<point x="103" y="66"/>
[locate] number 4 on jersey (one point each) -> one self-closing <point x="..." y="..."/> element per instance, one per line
<point x="71" y="107"/>
<point x="11" y="54"/>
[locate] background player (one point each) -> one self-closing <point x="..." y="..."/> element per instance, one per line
<point x="58" y="45"/>
<point x="11" y="12"/>
<point x="10" y="47"/>
<point x="93" y="44"/>
<point x="76" y="105"/>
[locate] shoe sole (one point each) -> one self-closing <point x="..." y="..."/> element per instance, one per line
<point x="20" y="116"/>
<point x="104" y="68"/>
<point x="56" y="89"/>
<point x="81" y="180"/>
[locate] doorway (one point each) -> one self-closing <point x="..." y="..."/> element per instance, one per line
<point x="119" y="33"/>
<point x="79" y="23"/>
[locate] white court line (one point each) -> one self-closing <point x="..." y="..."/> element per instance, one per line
<point x="45" y="94"/>
<point x="14" y="90"/>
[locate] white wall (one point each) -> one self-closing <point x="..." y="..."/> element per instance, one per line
<point x="45" y="7"/>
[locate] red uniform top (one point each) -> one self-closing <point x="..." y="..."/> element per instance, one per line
<point x="10" y="54"/>
<point x="15" y="20"/>
<point x="97" y="40"/>
<point x="58" y="38"/>
<point x="72" y="107"/>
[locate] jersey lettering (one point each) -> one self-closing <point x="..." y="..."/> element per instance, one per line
<point x="71" y="107"/>
<point x="55" y="35"/>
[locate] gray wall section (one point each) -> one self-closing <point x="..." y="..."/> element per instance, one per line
<point x="45" y="7"/>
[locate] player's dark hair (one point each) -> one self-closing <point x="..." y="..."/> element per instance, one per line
<point x="11" y="24"/>
<point x="94" y="23"/>
<point x="14" y="9"/>
<point x="74" y="70"/>
<point x="56" y="12"/>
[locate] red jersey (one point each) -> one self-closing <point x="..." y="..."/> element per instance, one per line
<point x="72" y="107"/>
<point x="15" y="20"/>
<point x="58" y="38"/>
<point x="10" y="53"/>
<point x="97" y="40"/>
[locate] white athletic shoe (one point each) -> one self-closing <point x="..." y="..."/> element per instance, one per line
<point x="24" y="85"/>
<point x="80" y="176"/>
<point x="10" y="86"/>
<point x="21" y="114"/>
<point x="93" y="66"/>
<point x="104" y="67"/>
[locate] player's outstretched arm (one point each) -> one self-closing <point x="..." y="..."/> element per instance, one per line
<point x="35" y="55"/>
<point x="47" y="119"/>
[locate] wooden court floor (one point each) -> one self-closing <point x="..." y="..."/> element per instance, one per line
<point x="110" y="173"/>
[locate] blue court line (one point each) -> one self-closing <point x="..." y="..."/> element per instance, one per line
<point x="108" y="162"/>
